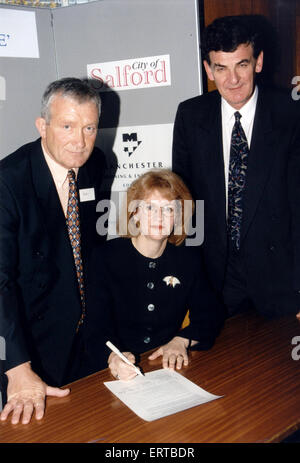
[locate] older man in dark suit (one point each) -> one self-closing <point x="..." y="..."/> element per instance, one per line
<point x="49" y="190"/>
<point x="238" y="148"/>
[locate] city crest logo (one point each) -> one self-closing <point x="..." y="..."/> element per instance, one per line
<point x="2" y="89"/>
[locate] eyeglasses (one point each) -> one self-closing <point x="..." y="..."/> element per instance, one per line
<point x="153" y="209"/>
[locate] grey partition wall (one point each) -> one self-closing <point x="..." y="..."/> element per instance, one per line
<point x="72" y="38"/>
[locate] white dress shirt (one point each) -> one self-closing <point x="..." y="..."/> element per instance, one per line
<point x="247" y="112"/>
<point x="60" y="178"/>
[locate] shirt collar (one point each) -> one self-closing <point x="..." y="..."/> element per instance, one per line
<point x="59" y="172"/>
<point x="247" y="111"/>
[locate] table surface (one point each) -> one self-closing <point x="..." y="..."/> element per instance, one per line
<point x="251" y="365"/>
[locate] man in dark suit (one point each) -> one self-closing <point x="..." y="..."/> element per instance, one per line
<point x="49" y="190"/>
<point x="238" y="148"/>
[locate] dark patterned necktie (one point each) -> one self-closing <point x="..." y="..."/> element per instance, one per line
<point x="73" y="224"/>
<point x="239" y="151"/>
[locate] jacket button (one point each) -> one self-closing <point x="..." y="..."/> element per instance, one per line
<point x="151" y="307"/>
<point x="39" y="254"/>
<point x="150" y="285"/>
<point x="152" y="264"/>
<point x="147" y="339"/>
<point x="272" y="248"/>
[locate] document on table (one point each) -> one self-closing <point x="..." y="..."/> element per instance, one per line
<point x="159" y="393"/>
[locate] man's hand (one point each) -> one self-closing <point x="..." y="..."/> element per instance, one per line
<point x="26" y="392"/>
<point x="298" y="316"/>
<point x="173" y="353"/>
<point x="119" y="369"/>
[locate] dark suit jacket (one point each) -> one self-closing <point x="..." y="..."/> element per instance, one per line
<point x="270" y="232"/>
<point x="39" y="296"/>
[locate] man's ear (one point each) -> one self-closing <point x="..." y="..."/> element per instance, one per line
<point x="259" y="62"/>
<point x="40" y="124"/>
<point x="208" y="70"/>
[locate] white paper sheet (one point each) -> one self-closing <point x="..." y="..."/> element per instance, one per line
<point x="160" y="393"/>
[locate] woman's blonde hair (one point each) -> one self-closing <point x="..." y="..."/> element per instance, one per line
<point x="172" y="187"/>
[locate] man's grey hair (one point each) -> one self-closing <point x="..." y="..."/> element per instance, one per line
<point x="77" y="89"/>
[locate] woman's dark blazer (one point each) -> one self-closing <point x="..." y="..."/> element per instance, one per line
<point x="138" y="310"/>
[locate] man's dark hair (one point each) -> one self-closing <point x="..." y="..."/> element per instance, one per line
<point x="227" y="33"/>
<point x="78" y="89"/>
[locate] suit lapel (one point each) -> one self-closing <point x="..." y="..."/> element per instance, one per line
<point x="214" y="163"/>
<point x="260" y="161"/>
<point x="49" y="206"/>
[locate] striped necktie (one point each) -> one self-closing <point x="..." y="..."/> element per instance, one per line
<point x="239" y="151"/>
<point x="73" y="225"/>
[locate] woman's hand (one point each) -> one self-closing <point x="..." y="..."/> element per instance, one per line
<point x="174" y="353"/>
<point x="119" y="369"/>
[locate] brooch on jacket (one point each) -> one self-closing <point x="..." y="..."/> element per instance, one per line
<point x="172" y="281"/>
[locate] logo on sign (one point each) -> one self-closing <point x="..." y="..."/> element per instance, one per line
<point x="130" y="142"/>
<point x="153" y="71"/>
<point x="4" y="38"/>
<point x="2" y="89"/>
<point x="2" y="357"/>
<point x="296" y="350"/>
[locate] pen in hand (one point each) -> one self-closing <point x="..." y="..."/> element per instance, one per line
<point x="125" y="359"/>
